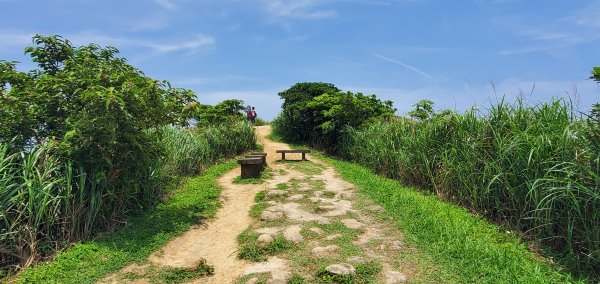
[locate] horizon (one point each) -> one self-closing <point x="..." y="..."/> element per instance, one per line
<point x="458" y="55"/>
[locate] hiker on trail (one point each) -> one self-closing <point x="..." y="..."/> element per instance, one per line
<point x="249" y="114"/>
<point x="252" y="115"/>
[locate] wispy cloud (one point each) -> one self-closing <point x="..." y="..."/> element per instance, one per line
<point x="13" y="39"/>
<point x="555" y="35"/>
<point x="167" y="4"/>
<point x="188" y="46"/>
<point x="299" y="9"/>
<point x="405" y="66"/>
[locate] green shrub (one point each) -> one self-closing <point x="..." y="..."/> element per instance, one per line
<point x="318" y="114"/>
<point x="533" y="167"/>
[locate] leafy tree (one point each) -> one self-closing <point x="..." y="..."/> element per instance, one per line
<point x="423" y="110"/>
<point x="226" y="111"/>
<point x="334" y="112"/>
<point x="296" y="121"/>
<point x="595" y="74"/>
<point x="318" y="113"/>
<point x="94" y="105"/>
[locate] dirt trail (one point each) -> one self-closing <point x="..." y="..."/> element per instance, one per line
<point x="216" y="240"/>
<point x="308" y="219"/>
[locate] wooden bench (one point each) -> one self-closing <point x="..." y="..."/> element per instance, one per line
<point x="283" y="152"/>
<point x="251" y="167"/>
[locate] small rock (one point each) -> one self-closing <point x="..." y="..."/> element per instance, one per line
<point x="396" y="246"/>
<point x="357" y="259"/>
<point x="375" y="208"/>
<point x="332" y="237"/>
<point x="264" y="240"/>
<point x="393" y="277"/>
<point x="314" y="200"/>
<point x="271" y="216"/>
<point x="317" y="230"/>
<point x="344" y="195"/>
<point x="352" y="224"/>
<point x="296" y="197"/>
<point x="252" y="280"/>
<point x="275" y="193"/>
<point x="318" y="194"/>
<point x="272" y="202"/>
<point x="325" y="208"/>
<point x="382" y="247"/>
<point x="341" y="269"/>
<point x="319" y="251"/>
<point x="292" y="234"/>
<point x="269" y="231"/>
<point x="323" y="222"/>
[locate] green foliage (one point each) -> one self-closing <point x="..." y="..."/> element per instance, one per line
<point x="144" y="234"/>
<point x="227" y="111"/>
<point x="318" y="113"/>
<point x="595" y="74"/>
<point x="423" y="110"/>
<point x="86" y="138"/>
<point x="534" y="168"/>
<point x="458" y="240"/>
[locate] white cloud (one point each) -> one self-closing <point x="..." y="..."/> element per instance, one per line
<point x="12" y="39"/>
<point x="190" y="46"/>
<point x="167" y="4"/>
<point x="298" y="9"/>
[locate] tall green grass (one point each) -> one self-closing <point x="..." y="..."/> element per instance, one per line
<point x="533" y="168"/>
<point x="47" y="202"/>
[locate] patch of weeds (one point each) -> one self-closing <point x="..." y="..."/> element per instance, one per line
<point x="297" y="279"/>
<point x="306" y="167"/>
<point x="172" y="275"/>
<point x="247" y="235"/>
<point x="282" y="172"/>
<point x="262" y="278"/>
<point x="308" y="234"/>
<point x="365" y="273"/>
<point x="250" y="250"/>
<point x="264" y="175"/>
<point x="329" y="194"/>
<point x="282" y="186"/>
<point x="257" y="209"/>
<point x="260" y="196"/>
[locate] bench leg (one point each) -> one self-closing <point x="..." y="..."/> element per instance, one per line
<point x="283" y="156"/>
<point x="303" y="156"/>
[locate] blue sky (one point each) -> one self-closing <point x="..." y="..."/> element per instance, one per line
<point x="456" y="53"/>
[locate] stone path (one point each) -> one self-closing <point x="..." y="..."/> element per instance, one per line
<point x="303" y="225"/>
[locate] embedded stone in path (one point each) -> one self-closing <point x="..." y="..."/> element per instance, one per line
<point x="325" y="208"/>
<point x="352" y="224"/>
<point x="269" y="231"/>
<point x="394" y="277"/>
<point x="275" y="193"/>
<point x="271" y="216"/>
<point x="252" y="280"/>
<point x="321" y="251"/>
<point x="341" y="269"/>
<point x="332" y="237"/>
<point x="292" y="234"/>
<point x="317" y="230"/>
<point x="296" y="212"/>
<point x="296" y="197"/>
<point x="279" y="269"/>
<point x="264" y="240"/>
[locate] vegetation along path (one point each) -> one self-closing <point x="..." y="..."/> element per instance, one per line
<point x="302" y="224"/>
